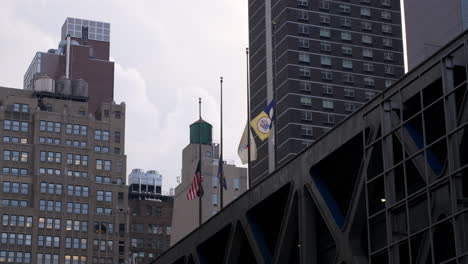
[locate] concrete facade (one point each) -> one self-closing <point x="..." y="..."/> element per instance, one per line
<point x="320" y="60"/>
<point x="64" y="170"/>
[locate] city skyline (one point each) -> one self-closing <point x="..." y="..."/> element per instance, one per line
<point x="160" y="71"/>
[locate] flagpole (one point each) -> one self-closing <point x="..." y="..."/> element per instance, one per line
<point x="200" y="187"/>
<point x="221" y="162"/>
<point x="248" y="117"/>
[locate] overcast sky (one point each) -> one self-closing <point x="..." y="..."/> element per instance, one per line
<point x="166" y="53"/>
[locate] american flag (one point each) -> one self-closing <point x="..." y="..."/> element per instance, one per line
<point x="196" y="188"/>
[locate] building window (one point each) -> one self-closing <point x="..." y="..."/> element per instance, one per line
<point x="345" y="22"/>
<point x="386" y="2"/>
<point x="347" y="50"/>
<point x="306" y="101"/>
<point x="366" y="25"/>
<point x="349" y="92"/>
<point x="388" y="56"/>
<point x="369" y="81"/>
<point x="69" y="128"/>
<point x="386" y="15"/>
<point x="324" y="4"/>
<point x="327" y="104"/>
<point x="349" y="107"/>
<point x="368" y="67"/>
<point x="389" y="69"/>
<point x="386" y="28"/>
<point x="365" y="11"/>
<point x="367" y="53"/>
<point x="366" y="39"/>
<point x="348" y="78"/>
<point x="346" y="36"/>
<point x="305" y="86"/>
<point x="304" y="57"/>
<point x="369" y="95"/>
<point x="329" y="119"/>
<point x="344" y="8"/>
<point x="388" y="83"/>
<point x="306" y="131"/>
<point x="303" y="29"/>
<point x="307" y="116"/>
<point x="303" y="43"/>
<point x="325" y="46"/>
<point x="387" y="42"/>
<point x="327" y="75"/>
<point x="304" y="72"/>
<point x="303" y="3"/>
<point x="347" y="64"/>
<point x="327" y="89"/>
<point x="324" y="19"/>
<point x="303" y="15"/>
<point x="325" y="60"/>
<point x="325" y="32"/>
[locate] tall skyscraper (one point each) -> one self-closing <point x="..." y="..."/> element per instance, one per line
<point x="185" y="215"/>
<point x="320" y="60"/>
<point x="63" y="193"/>
<point x="431" y="28"/>
<point x="87" y="59"/>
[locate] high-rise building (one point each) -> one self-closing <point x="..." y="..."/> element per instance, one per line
<point x="430" y="30"/>
<point x="63" y="180"/>
<point x="320" y="60"/>
<point x="84" y="57"/>
<point x="185" y="217"/>
<point x="145" y="182"/>
<point x="150" y="216"/>
<point x="63" y="167"/>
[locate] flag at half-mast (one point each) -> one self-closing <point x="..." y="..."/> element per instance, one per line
<point x="262" y="124"/>
<point x="221" y="173"/>
<point x="196" y="188"/>
<point x="244" y="147"/>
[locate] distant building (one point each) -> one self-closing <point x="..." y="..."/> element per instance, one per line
<point x="429" y="29"/>
<point x="87" y="60"/>
<point x="185" y="216"/>
<point x="150" y="216"/>
<point x="145" y="182"/>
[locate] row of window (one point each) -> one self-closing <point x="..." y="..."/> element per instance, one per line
<point x="103" y="210"/>
<point x="151" y="228"/>
<point x="304" y="29"/>
<point x="11" y="155"/>
<point x="103" y="245"/>
<point x="58" y="172"/>
<point x="345" y="63"/>
<point x="47" y="259"/>
<point x="103" y="228"/>
<point x="15" y="203"/>
<point x="49" y="223"/>
<point x="16" y="140"/>
<point x="15" y="187"/>
<point x="103" y="165"/>
<point x="328" y="89"/>
<point x="57" y="141"/>
<point x="23" y="108"/>
<point x="77" y="190"/>
<point x="325" y="4"/>
<point x="15" y="125"/>
<point x="104" y="196"/>
<point x="17" y="220"/>
<point x="329" y="105"/>
<point x="74" y="260"/>
<point x="15" y="257"/>
<point x="76" y="129"/>
<point x="76" y="243"/>
<point x="50" y="206"/>
<point x="77" y="225"/>
<point x="15" y="171"/>
<point x="347" y="77"/>
<point x="50" y="126"/>
<point x="102" y="135"/>
<point x="16" y="239"/>
<point x="48" y="241"/>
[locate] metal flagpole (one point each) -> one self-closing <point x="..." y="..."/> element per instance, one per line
<point x="221" y="162"/>
<point x="200" y="186"/>
<point x="248" y="117"/>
